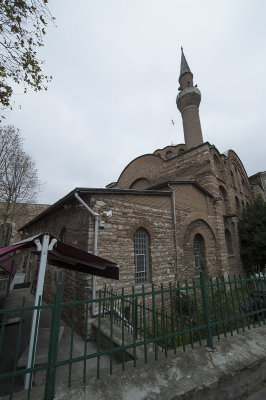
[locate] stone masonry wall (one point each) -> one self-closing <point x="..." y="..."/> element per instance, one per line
<point x="70" y="224"/>
<point x="115" y="242"/>
<point x="223" y="176"/>
<point x="24" y="213"/>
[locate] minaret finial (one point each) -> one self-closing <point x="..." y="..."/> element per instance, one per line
<point x="184" y="68"/>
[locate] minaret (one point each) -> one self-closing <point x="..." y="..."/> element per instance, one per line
<point x="188" y="101"/>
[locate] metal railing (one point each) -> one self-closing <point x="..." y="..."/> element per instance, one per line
<point x="139" y="324"/>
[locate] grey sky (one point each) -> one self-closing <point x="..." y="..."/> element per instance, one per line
<point x="115" y="67"/>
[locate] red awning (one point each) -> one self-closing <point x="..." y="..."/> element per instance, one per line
<point x="8" y="266"/>
<point x="7" y="257"/>
<point x="63" y="256"/>
<point x="4" y="251"/>
<point x="69" y="257"/>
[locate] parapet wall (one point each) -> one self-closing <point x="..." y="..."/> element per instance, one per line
<point x="233" y="368"/>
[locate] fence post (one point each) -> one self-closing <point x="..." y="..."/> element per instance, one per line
<point x="136" y="317"/>
<point x="205" y="302"/>
<point x="53" y="346"/>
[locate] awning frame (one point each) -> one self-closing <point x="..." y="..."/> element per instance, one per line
<point x="45" y="244"/>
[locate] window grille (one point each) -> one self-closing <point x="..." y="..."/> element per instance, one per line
<point x="169" y="155"/>
<point x="141" y="255"/>
<point x="199" y="252"/>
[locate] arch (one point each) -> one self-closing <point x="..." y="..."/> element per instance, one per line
<point x="143" y="223"/>
<point x="140" y="183"/>
<point x="138" y="168"/>
<point x="198" y="217"/>
<point x="141" y="243"/>
<point x="208" y="256"/>
<point x="235" y="161"/>
<point x="199" y="252"/>
<point x="174" y="148"/>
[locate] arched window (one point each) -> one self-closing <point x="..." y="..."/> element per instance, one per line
<point x="199" y="252"/>
<point x="141" y="255"/>
<point x="228" y="241"/>
<point x="169" y="155"/>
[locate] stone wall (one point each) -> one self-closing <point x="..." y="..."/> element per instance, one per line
<point x="75" y="226"/>
<point x="129" y="212"/>
<point x="24" y="213"/>
<point x="70" y="224"/>
<point x="232" y="370"/>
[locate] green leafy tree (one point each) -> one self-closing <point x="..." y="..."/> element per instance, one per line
<point x="22" y="29"/>
<point x="252" y="234"/>
<point x="18" y="179"/>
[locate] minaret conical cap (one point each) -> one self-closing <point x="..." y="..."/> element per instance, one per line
<point x="184" y="68"/>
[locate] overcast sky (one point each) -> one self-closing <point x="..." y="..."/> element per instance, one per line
<point x="115" y="67"/>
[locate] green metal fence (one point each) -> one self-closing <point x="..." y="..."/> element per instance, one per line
<point x="134" y="325"/>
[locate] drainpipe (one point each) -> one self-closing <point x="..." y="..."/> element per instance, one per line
<point x="95" y="249"/>
<point x="174" y="219"/>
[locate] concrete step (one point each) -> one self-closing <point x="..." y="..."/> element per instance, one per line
<point x="117" y="340"/>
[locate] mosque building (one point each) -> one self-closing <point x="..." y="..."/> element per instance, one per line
<point x="170" y="214"/>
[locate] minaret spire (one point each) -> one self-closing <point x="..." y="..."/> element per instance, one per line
<point x="188" y="101"/>
<point x="184" y="67"/>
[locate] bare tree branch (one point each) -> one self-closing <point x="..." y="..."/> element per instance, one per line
<point x="19" y="181"/>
